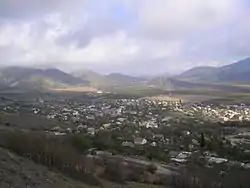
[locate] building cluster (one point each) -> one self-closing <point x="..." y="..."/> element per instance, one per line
<point x="221" y="113"/>
<point x="140" y="123"/>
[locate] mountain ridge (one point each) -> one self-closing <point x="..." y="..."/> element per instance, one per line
<point x="44" y="79"/>
<point x="112" y="79"/>
<point x="33" y="78"/>
<point x="238" y="72"/>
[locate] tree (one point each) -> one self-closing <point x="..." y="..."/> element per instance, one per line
<point x="202" y="141"/>
<point x="81" y="142"/>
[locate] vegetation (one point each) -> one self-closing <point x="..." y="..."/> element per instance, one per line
<point x="67" y="156"/>
<point x="82" y="143"/>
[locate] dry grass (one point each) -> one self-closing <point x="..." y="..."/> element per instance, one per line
<point x="75" y="89"/>
<point x="165" y="98"/>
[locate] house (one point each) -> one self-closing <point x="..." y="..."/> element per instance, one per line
<point x="99" y="92"/>
<point x="75" y="113"/>
<point x="172" y="153"/>
<point x="216" y="160"/>
<point x="107" y="125"/>
<point x="69" y="130"/>
<point x="149" y="124"/>
<point x="127" y="144"/>
<point x="91" y="117"/>
<point x="118" y="123"/>
<point x="119" y="111"/>
<point x="50" y="116"/>
<point x="133" y="112"/>
<point x="59" y="134"/>
<point x="153" y="144"/>
<point x="121" y="119"/>
<point x="187" y="133"/>
<point x="140" y="141"/>
<point x="40" y="100"/>
<point x="80" y="127"/>
<point x="57" y="129"/>
<point x="182" y="157"/>
<point x="246" y="166"/>
<point x="159" y="137"/>
<point x="167" y="118"/>
<point x="91" y="131"/>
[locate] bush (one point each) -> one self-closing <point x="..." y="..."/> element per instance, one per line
<point x="7" y="124"/>
<point x="51" y="151"/>
<point x="82" y="143"/>
<point x="115" y="171"/>
<point x="151" y="168"/>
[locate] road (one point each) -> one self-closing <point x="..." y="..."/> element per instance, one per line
<point x="161" y="168"/>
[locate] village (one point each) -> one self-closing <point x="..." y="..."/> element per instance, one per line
<point x="165" y="131"/>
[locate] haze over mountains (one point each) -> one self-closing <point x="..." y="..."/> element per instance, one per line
<point x="27" y="78"/>
<point x="112" y="79"/>
<point x="238" y="72"/>
<point x="32" y="78"/>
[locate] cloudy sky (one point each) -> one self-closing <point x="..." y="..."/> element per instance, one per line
<point x="129" y="36"/>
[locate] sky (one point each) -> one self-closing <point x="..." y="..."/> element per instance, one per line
<point x="137" y="37"/>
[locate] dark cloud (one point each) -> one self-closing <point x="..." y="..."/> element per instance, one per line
<point x="20" y="9"/>
<point x="106" y="19"/>
<point x="100" y="26"/>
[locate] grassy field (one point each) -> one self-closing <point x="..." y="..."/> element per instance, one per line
<point x="186" y="95"/>
<point x="75" y="89"/>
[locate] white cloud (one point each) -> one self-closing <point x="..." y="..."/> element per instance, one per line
<point x="162" y="18"/>
<point x="125" y="35"/>
<point x="112" y="49"/>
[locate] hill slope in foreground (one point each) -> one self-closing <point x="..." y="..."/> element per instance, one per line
<point x="16" y="171"/>
<point x="19" y="172"/>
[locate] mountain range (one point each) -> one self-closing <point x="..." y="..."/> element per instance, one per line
<point x="43" y="79"/>
<point x="238" y="72"/>
<point x="110" y="80"/>
<point x="27" y="78"/>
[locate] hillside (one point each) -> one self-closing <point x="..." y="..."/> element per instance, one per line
<point x="19" y="172"/>
<point x="121" y="79"/>
<point x="110" y="80"/>
<point x="238" y="72"/>
<point x="30" y="78"/>
<point x="16" y="171"/>
<point x="20" y="78"/>
<point x="218" y="78"/>
<point x="200" y="73"/>
<point x="162" y="82"/>
<point x="95" y="79"/>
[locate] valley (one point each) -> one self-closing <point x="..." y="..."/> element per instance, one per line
<point x="124" y="94"/>
<point x="116" y="130"/>
<point x="145" y="140"/>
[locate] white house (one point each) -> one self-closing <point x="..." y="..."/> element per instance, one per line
<point x="217" y="160"/>
<point x="91" y="131"/>
<point x="127" y="144"/>
<point x="140" y="141"/>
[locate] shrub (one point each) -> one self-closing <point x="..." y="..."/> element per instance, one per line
<point x="151" y="168"/>
<point x="81" y="142"/>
